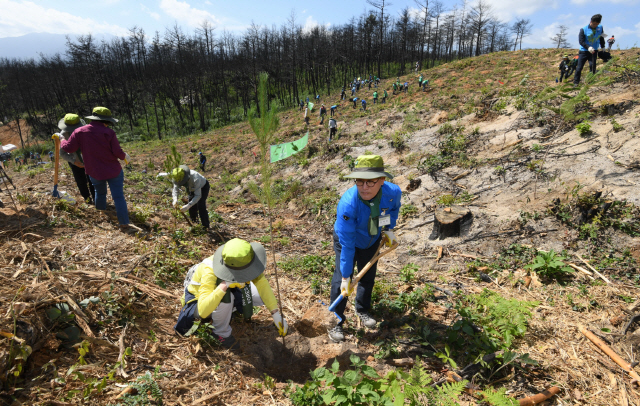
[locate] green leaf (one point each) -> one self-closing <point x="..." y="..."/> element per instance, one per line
<point x="606" y="330"/>
<point x="351" y="375"/>
<point x="128" y="351"/>
<point x="370" y="372"/>
<point x="335" y="367"/>
<point x="467" y="329"/>
<point x="53" y="313"/>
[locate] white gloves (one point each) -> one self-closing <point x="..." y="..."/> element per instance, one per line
<point x="184" y="208"/>
<point x="281" y="323"/>
<point x="390" y="238"/>
<point x="591" y="50"/>
<point x="127" y="158"/>
<point x="345" y="287"/>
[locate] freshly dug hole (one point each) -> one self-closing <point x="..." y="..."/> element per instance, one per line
<point x="292" y="361"/>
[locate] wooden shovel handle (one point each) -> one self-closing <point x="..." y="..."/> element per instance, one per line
<point x="56" y="142"/>
<point x="375" y="259"/>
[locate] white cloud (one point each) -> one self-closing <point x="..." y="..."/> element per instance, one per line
<point x="153" y="14"/>
<point x="619" y="32"/>
<point x="310" y="24"/>
<point x="183" y="12"/>
<point x="23" y="17"/>
<point x="505" y="10"/>
<point x="629" y="2"/>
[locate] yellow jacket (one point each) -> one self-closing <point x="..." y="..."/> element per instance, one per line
<point x="204" y="287"/>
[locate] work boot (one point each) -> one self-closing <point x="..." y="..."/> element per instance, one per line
<point x="227" y="342"/>
<point x="336" y="334"/>
<point x="367" y="320"/>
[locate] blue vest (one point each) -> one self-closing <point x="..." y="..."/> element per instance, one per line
<point x="592" y="37"/>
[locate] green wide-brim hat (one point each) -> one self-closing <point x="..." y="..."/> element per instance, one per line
<point x="239" y="261"/>
<point x="181" y="170"/>
<point x="102" y="114"/>
<point x="70" y="123"/>
<point x="369" y="167"/>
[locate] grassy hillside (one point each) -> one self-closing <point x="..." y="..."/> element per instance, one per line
<point x="492" y="134"/>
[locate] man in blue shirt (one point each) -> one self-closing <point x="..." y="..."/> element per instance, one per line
<point x="365" y="212"/>
<point x="590" y="38"/>
<point x="203" y="160"/>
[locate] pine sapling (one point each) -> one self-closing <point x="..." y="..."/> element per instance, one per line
<point x="264" y="124"/>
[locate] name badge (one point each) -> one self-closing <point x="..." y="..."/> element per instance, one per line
<point x="384" y="220"/>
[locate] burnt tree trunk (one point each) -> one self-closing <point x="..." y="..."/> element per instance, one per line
<point x="449" y="222"/>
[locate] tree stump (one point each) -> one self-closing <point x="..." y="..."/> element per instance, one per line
<point x="450" y="221"/>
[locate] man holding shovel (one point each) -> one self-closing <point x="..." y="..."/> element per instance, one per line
<point x="365" y="213"/>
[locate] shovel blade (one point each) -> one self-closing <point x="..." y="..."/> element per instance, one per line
<point x="55" y="192"/>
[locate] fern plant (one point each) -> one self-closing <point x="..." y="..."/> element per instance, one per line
<point x="501" y="320"/>
<point x="498" y="398"/>
<point x="147" y="391"/>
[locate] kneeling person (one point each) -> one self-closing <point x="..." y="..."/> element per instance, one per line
<point x="236" y="264"/>
<point x="366" y="211"/>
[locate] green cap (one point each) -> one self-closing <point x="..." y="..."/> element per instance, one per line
<point x="369" y="167"/>
<point x="239" y="261"/>
<point x="102" y="114"/>
<point x="566" y="56"/>
<point x="70" y="122"/>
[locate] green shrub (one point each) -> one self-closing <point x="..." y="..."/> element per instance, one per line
<point x="408" y="271"/>
<point x="550" y="265"/>
<point x="616" y="126"/>
<point x="584" y="128"/>
<point x="407" y="210"/>
<point x="362" y="386"/>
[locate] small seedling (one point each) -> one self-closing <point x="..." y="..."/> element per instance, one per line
<point x="584" y="128"/>
<point x="550" y="265"/>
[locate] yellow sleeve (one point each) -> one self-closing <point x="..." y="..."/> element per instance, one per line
<point x="265" y="292"/>
<point x="209" y="296"/>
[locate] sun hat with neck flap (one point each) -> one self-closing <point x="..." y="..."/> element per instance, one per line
<point x="239" y="261"/>
<point x="70" y="122"/>
<point x="102" y="114"/>
<point x="369" y="167"/>
<point x="180" y="175"/>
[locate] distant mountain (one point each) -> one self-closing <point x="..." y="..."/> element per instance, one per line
<point x="32" y="45"/>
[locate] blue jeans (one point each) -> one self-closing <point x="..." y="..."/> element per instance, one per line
<point x="365" y="286"/>
<point x="116" y="185"/>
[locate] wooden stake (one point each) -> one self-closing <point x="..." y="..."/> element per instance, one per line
<point x="540" y="397"/>
<point x="122" y="349"/>
<point x="594" y="270"/>
<point x="612" y="354"/>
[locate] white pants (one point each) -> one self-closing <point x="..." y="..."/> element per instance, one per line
<point x="222" y="315"/>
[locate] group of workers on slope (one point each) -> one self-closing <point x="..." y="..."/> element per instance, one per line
<point x="355" y="87"/>
<point x="93" y="153"/>
<point x="233" y="277"/>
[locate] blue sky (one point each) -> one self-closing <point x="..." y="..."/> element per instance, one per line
<point x="74" y="17"/>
